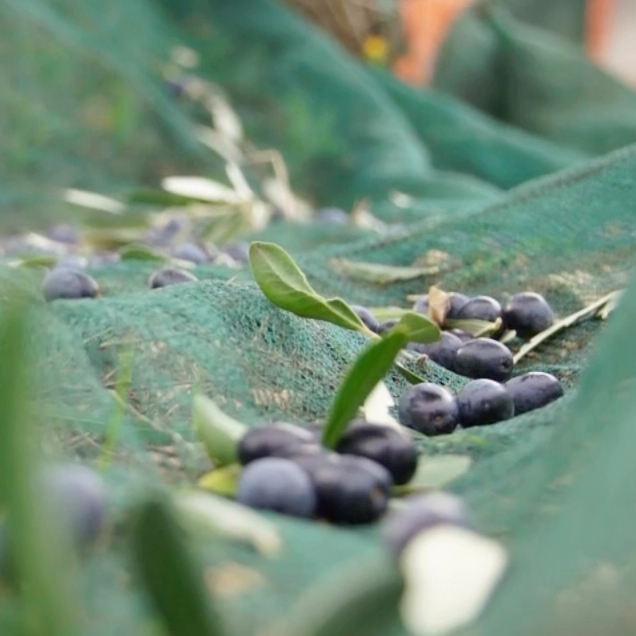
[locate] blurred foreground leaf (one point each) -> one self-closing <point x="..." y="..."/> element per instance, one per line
<point x="172" y="580"/>
<point x="38" y="545"/>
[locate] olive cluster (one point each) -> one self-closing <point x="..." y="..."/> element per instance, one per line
<point x="288" y="471"/>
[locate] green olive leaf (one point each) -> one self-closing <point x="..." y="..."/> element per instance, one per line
<point x="388" y="313"/>
<point x="378" y="274"/>
<point x="218" y="432"/>
<point x="285" y="285"/>
<point x="350" y="602"/>
<point x="222" y="481"/>
<point x="36" y="261"/>
<point x="417" y="328"/>
<point x="157" y="197"/>
<point x="40" y="544"/>
<point x="139" y="252"/>
<point x="170" y="575"/>
<point x="436" y="472"/>
<point x="474" y="327"/>
<point x="206" y="514"/>
<point x="369" y="369"/>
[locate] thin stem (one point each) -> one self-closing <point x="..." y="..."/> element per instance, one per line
<point x="587" y="312"/>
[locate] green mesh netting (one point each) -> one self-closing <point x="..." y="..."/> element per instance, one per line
<point x="536" y="80"/>
<point x="86" y="107"/>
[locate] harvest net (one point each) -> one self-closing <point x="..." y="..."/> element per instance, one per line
<point x="85" y="105"/>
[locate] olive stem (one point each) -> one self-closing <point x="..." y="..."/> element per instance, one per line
<point x="587" y="312"/>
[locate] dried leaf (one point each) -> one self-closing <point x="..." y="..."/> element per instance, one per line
<point x="94" y="201"/>
<point x="226" y="121"/>
<point x="438" y="304"/>
<point x="611" y="305"/>
<point x="218" y="143"/>
<point x="201" y="189"/>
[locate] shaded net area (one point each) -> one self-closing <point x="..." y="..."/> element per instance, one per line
<point x="500" y="199"/>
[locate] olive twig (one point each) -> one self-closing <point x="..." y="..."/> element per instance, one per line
<point x="587" y="312"/>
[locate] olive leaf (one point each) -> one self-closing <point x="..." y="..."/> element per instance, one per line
<point x="369" y="369"/>
<point x="36" y="261"/>
<point x="111" y="238"/>
<point x="388" y="313"/>
<point x="169" y="574"/>
<point x="377" y="407"/>
<point x="285" y="285"/>
<point x="218" y="432"/>
<point x="205" y="513"/>
<point x="379" y="274"/>
<point x="350" y="602"/>
<point x="157" y="197"/>
<point x="94" y="201"/>
<point x="436" y="472"/>
<point x="474" y="327"/>
<point x="417" y="328"/>
<point x="139" y="252"/>
<point x="407" y="374"/>
<point x="222" y="481"/>
<point x="473" y="567"/>
<point x="39" y="545"/>
<point x="201" y="189"/>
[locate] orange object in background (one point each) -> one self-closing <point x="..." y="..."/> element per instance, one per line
<point x="426" y="24"/>
<point x="598" y="19"/>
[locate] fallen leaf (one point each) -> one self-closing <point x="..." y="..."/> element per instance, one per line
<point x="232" y="579"/>
<point x="436" y="472"/>
<point x="377" y="407"/>
<point x="450" y="574"/>
<point x="222" y="481"/>
<point x="94" y="201"/>
<point x="201" y="189"/>
<point x="438" y="304"/>
<point x="230" y="520"/>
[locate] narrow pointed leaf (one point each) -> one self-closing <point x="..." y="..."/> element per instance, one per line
<point x="351" y="602"/>
<point x="408" y="375"/>
<point x="169" y="574"/>
<point x="370" y="367"/>
<point x="200" y="189"/>
<point x="436" y="472"/>
<point x="40" y="543"/>
<point x="417" y="328"/>
<point x="222" y="481"/>
<point x="285" y="285"/>
<point x="224" y="518"/>
<point x="475" y="327"/>
<point x="379" y="274"/>
<point x="39" y="260"/>
<point x="218" y="432"/>
<point x="388" y="313"/>
<point x="139" y="252"/>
